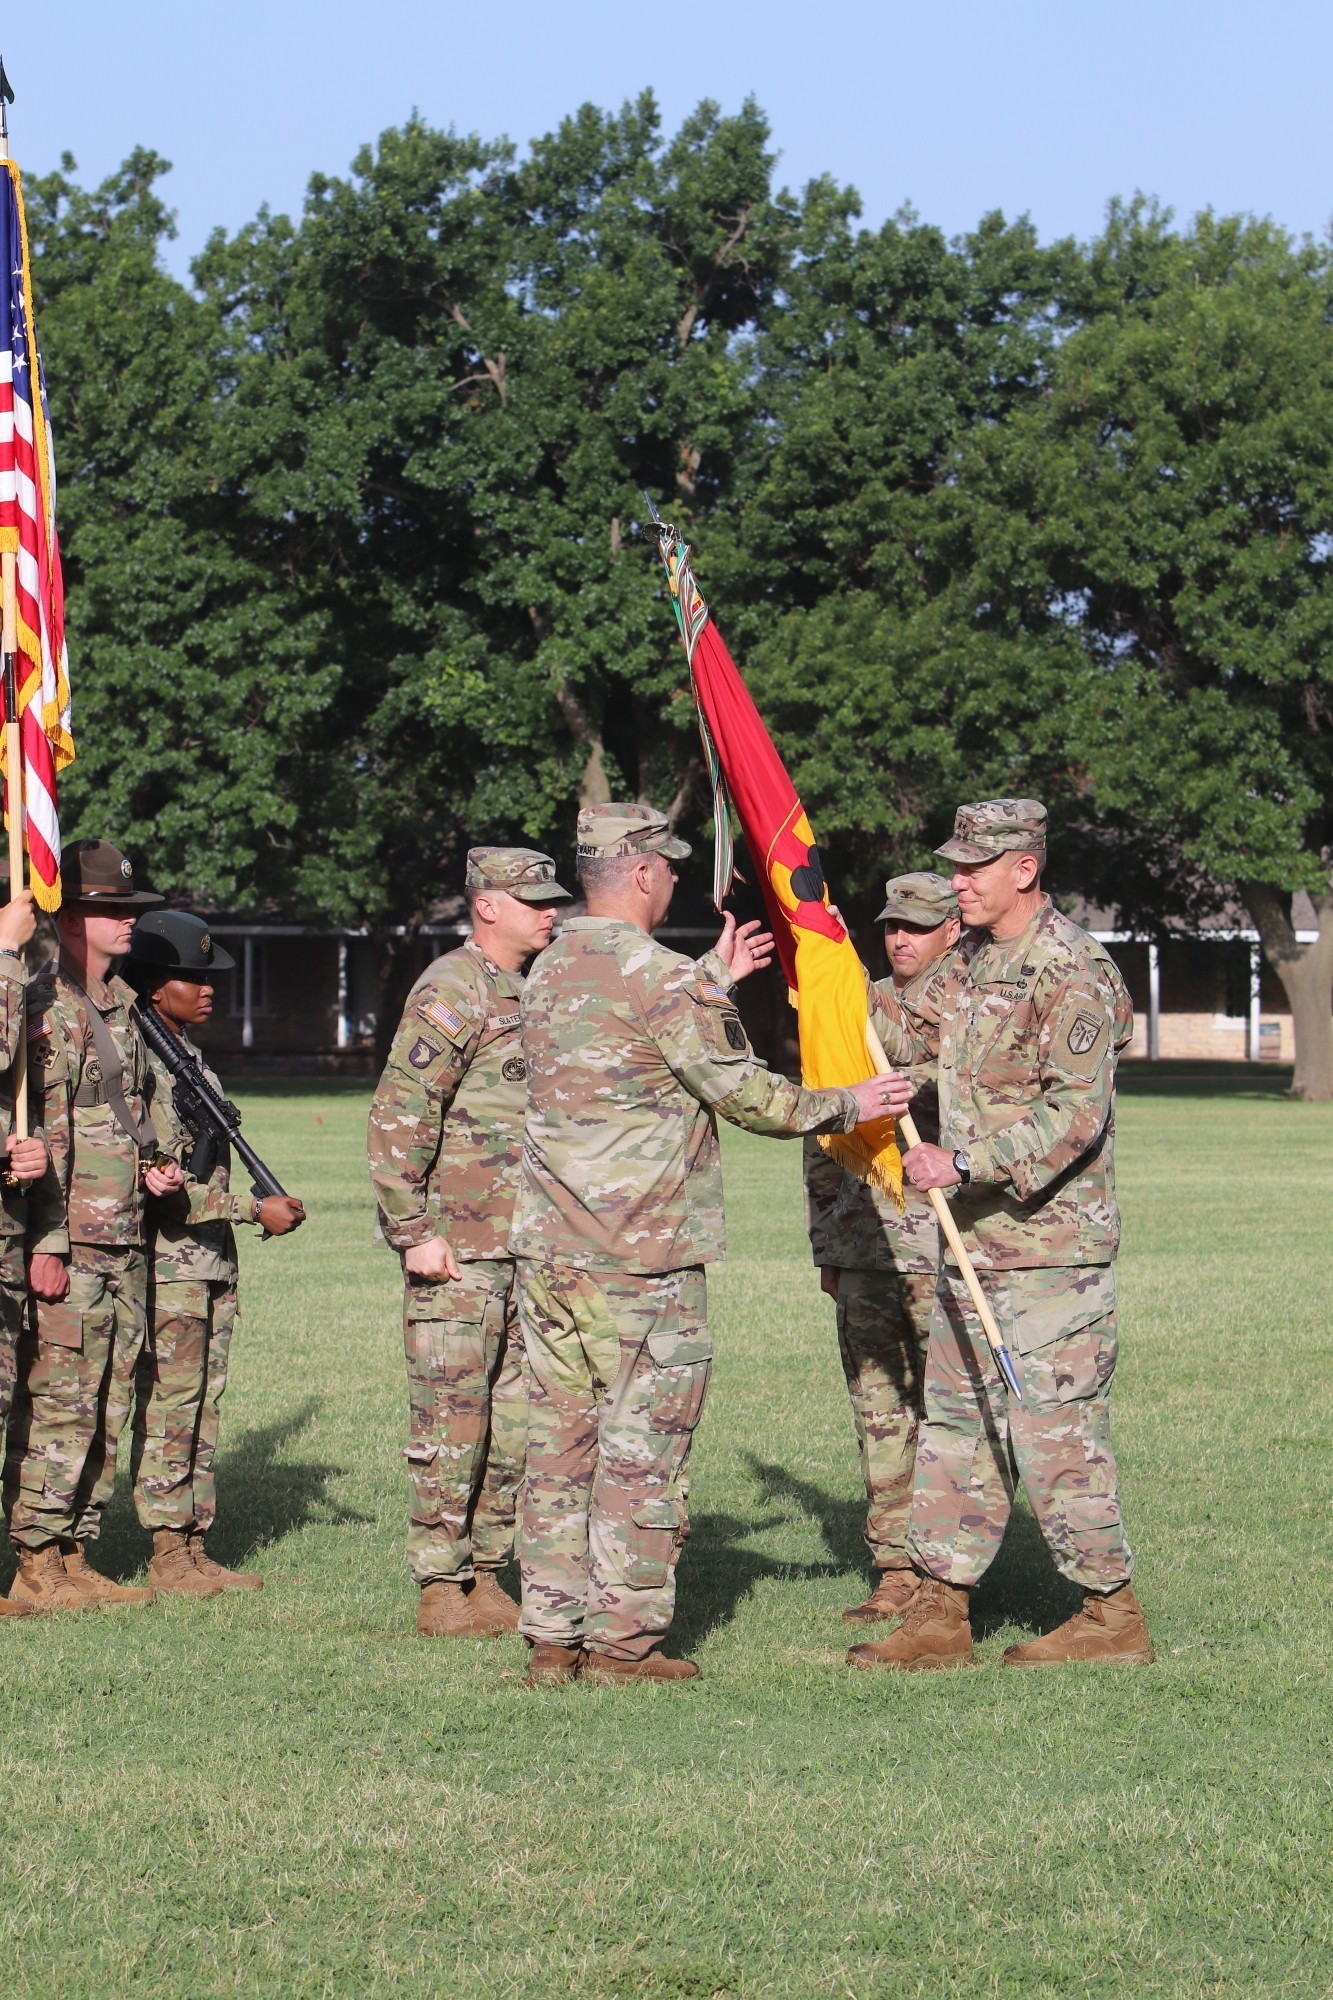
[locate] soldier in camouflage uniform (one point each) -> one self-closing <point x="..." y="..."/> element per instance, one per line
<point x="632" y="1051"/>
<point x="444" y="1137"/>
<point x="103" y="1126"/>
<point x="879" y="1265"/>
<point x="193" y="1274"/>
<point x="26" y="1159"/>
<point x="1024" y="1037"/>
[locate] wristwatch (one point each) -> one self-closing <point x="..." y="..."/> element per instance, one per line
<point x="961" y="1167"/>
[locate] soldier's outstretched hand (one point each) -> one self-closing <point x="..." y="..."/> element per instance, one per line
<point x="431" y="1259"/>
<point x="885" y="1096"/>
<point x="27" y="1157"/>
<point x="279" y="1214"/>
<point x="746" y="948"/>
<point x="18" y="921"/>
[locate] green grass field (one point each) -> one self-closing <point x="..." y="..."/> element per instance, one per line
<point x="294" y="1795"/>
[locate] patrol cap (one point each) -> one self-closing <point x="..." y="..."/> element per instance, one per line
<point x="173" y="941"/>
<point x="923" y="898"/>
<point x="996" y="826"/>
<point x="519" y="871"/>
<point x="94" y="871"/>
<point x="606" y="831"/>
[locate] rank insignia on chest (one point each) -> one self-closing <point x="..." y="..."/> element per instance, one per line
<point x="513" y="1069"/>
<point x="421" y="1055"/>
<point x="443" y="1015"/>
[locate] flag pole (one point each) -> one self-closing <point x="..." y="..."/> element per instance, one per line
<point x="9" y="644"/>
<point x="952" y="1235"/>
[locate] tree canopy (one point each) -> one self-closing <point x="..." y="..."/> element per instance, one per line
<point x="350" y="523"/>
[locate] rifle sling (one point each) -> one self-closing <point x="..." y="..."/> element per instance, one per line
<point x="113" y="1074"/>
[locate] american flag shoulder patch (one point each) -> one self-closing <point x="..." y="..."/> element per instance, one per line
<point x="443" y="1016"/>
<point x="717" y="994"/>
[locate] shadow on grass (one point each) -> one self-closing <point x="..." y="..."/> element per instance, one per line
<point x="262" y="1497"/>
<point x="718" y="1574"/>
<point x="1187" y="1078"/>
<point x="1022" y="1586"/>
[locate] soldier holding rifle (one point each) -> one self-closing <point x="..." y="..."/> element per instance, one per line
<point x="182" y="1371"/>
<point x="1023" y="1038"/>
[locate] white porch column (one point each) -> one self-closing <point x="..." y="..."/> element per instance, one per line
<point x="248" y="994"/>
<point x="1256" y="971"/>
<point x="344" y="1024"/>
<point x="1154" y="1004"/>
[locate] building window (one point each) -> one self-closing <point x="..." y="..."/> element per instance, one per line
<point x="1236" y="1005"/>
<point x="258" y="978"/>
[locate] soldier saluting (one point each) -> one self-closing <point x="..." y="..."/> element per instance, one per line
<point x="111" y="1141"/>
<point x="444" y="1137"/>
<point x="1023" y="1038"/>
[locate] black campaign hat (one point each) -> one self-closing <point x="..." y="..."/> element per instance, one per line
<point x="174" y="942"/>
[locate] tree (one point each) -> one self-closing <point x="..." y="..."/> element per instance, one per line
<point x="1179" y="477"/>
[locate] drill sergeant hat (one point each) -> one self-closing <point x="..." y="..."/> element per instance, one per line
<point x="93" y="872"/>
<point x="520" y="871"/>
<point x="177" y="944"/>
<point x="614" y="830"/>
<point x="922" y="898"/>
<point x="996" y="826"/>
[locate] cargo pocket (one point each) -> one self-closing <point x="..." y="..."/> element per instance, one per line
<point x="651" y="1545"/>
<point x="682" y="1362"/>
<point x="1066" y="1336"/>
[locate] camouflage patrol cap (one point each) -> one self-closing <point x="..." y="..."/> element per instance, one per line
<point x="94" y="871"/>
<point x="520" y="871"/>
<point x="996" y="826"/>
<point x="922" y="898"/>
<point x="610" y="830"/>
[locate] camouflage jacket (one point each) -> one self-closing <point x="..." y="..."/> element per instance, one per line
<point x="853" y="1226"/>
<point x="631" y="1051"/>
<point x="13" y="982"/>
<point x="1026" y="1032"/>
<point x="92" y="1192"/>
<point x="190" y="1233"/>
<point x="446" y="1124"/>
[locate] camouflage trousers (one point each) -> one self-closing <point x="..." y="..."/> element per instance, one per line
<point x="76" y="1375"/>
<point x="178" y="1385"/>
<point x="883" y="1326"/>
<point x="620" y="1364"/>
<point x="467" y="1391"/>
<point x="1059" y="1326"/>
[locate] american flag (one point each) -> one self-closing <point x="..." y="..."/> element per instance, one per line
<point x="28" y="531"/>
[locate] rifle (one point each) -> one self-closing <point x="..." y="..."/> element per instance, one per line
<point x="208" y="1117"/>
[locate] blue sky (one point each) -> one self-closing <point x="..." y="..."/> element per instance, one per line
<point x="1024" y="105"/>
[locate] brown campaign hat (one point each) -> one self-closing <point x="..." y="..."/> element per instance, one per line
<point x="996" y="826"/>
<point x="519" y="871"/>
<point x="606" y="831"/>
<point x="923" y="898"/>
<point x="94" y="871"/>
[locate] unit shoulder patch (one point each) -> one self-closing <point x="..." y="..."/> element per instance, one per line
<point x="1083" y="1032"/>
<point x="423" y="1053"/>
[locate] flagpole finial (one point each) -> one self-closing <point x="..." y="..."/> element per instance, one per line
<point x="6" y="99"/>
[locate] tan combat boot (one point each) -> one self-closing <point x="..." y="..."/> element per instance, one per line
<point x="98" y="1589"/>
<point x="225" y="1579"/>
<point x="552" y="1666"/>
<point x="1110" y="1627"/>
<point x="173" y="1570"/>
<point x="934" y="1633"/>
<point x="891" y="1596"/>
<point x="610" y="1672"/>
<point x="487" y="1599"/>
<point x="41" y="1583"/>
